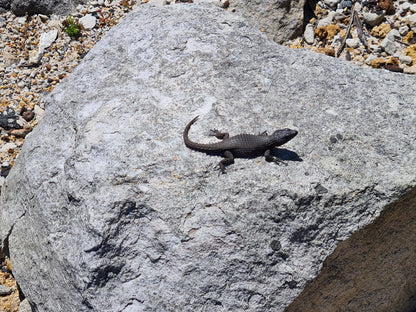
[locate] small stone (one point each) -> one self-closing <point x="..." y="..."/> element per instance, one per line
<point x="88" y="21"/>
<point x="403" y="30"/>
<point x="387" y="6"/>
<point x="8" y="146"/>
<point x="24" y="306"/>
<point x="388" y="46"/>
<point x="332" y="3"/>
<point x="28" y="115"/>
<point x="393" y="34"/>
<point x="9" y="59"/>
<point x="375" y="48"/>
<point x="9" y="119"/>
<point x="309" y="34"/>
<point x="327" y="20"/>
<point x="405" y="59"/>
<point x="327" y="32"/>
<point x="346" y="4"/>
<point x="46" y="39"/>
<point x="405" y="6"/>
<point x="4" y="290"/>
<point x="21" y="133"/>
<point x="413" y="8"/>
<point x="21" y="20"/>
<point x="381" y="30"/>
<point x="353" y="43"/>
<point x="410" y="70"/>
<point x="408" y="37"/>
<point x="44" y="18"/>
<point x="39" y="112"/>
<point x="373" y="19"/>
<point x="412" y="18"/>
<point x="411" y="51"/>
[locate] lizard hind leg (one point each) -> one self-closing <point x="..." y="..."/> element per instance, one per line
<point x="220" y="135"/>
<point x="270" y="158"/>
<point x="228" y="160"/>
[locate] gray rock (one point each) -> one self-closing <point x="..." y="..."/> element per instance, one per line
<point x="353" y="42"/>
<point x="4" y="5"/>
<point x="9" y="120"/>
<point x="329" y="19"/>
<point x="412" y="18"/>
<point x="281" y="20"/>
<point x="309" y="34"/>
<point x="48" y="7"/>
<point x="45" y="41"/>
<point x="24" y="306"/>
<point x="405" y="6"/>
<point x="388" y="44"/>
<point x="373" y="19"/>
<point x="332" y="3"/>
<point x="405" y="59"/>
<point x="120" y="216"/>
<point x="88" y="21"/>
<point x="4" y="290"/>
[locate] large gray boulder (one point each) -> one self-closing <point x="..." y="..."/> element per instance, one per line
<point x="281" y="20"/>
<point x="107" y="210"/>
<point x="21" y="7"/>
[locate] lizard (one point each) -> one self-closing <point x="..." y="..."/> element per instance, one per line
<point x="240" y="146"/>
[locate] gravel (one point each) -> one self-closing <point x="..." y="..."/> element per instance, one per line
<point x="390" y="34"/>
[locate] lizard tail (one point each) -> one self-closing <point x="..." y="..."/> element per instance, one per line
<point x="212" y="148"/>
<point x="186" y="139"/>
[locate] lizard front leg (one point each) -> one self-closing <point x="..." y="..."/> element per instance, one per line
<point x="270" y="158"/>
<point x="220" y="135"/>
<point x="228" y="160"/>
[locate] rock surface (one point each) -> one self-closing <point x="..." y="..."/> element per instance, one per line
<point x="119" y="216"/>
<point x="21" y="7"/>
<point x="375" y="268"/>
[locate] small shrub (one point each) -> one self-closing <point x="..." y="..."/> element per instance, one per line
<point x="72" y="28"/>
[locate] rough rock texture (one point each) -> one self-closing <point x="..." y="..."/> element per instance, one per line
<point x="21" y="7"/>
<point x="373" y="270"/>
<point x="118" y="215"/>
<point x="281" y="20"/>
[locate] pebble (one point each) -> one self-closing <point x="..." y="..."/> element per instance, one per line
<point x="332" y="3"/>
<point x="353" y="43"/>
<point x="412" y="18"/>
<point x="405" y="59"/>
<point x="4" y="290"/>
<point x="388" y="46"/>
<point x="373" y="19"/>
<point x="309" y="34"/>
<point x="88" y="21"/>
<point x="24" y="306"/>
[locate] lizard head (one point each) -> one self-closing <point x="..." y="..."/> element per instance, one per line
<point x="283" y="136"/>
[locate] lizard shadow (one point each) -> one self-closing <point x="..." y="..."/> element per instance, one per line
<point x="280" y="153"/>
<point x="285" y="154"/>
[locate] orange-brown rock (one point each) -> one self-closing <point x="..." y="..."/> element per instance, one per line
<point x="381" y="30"/>
<point x="327" y="32"/>
<point x="387" y="5"/>
<point x="411" y="51"/>
<point x="409" y="36"/>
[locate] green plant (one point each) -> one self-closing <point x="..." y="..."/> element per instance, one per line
<point x="72" y="28"/>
